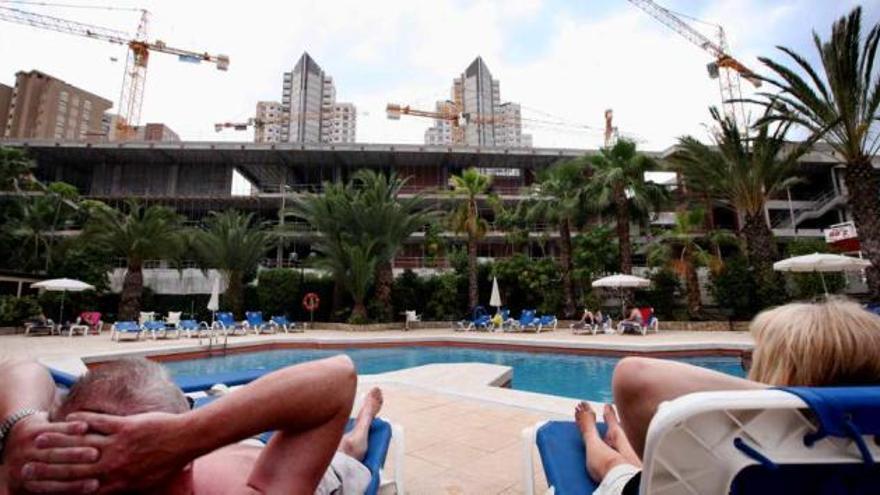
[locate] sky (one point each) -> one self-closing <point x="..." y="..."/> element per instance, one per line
<point x="562" y="60"/>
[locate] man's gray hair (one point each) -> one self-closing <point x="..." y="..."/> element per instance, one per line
<point x="122" y="388"/>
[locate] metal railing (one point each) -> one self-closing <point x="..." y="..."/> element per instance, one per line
<point x="816" y="207"/>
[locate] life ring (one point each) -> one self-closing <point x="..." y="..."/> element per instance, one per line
<point x="311" y="301"/>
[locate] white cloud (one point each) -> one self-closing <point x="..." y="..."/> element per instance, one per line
<point x="408" y="52"/>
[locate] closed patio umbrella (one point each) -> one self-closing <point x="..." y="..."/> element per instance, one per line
<point x="621" y="281"/>
<point x="495" y="298"/>
<point x="821" y="263"/>
<point x="63" y="285"/>
<point x="214" y="301"/>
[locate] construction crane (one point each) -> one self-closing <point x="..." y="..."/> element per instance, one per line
<point x="131" y="97"/>
<point x="725" y="67"/>
<point x="448" y="111"/>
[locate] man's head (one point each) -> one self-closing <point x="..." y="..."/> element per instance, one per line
<point x="123" y="388"/>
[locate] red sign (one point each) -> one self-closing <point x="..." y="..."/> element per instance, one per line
<point x="843" y="237"/>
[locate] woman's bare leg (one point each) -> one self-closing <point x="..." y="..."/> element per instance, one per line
<point x="641" y="384"/>
<point x="616" y="438"/>
<point x="354" y="443"/>
<point x="600" y="457"/>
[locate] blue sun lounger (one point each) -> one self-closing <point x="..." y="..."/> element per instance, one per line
<point x="381" y="434"/>
<point x="796" y="440"/>
<point x="226" y="322"/>
<point x="120" y="328"/>
<point x="254" y="321"/>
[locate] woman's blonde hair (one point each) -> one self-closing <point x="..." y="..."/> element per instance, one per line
<point x="835" y="342"/>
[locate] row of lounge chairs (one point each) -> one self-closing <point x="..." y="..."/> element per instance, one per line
<point x="87" y="322"/>
<point x="173" y="326"/>
<point x="649" y="322"/>
<point x="528" y="321"/>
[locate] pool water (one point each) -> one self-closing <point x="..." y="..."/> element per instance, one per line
<point x="566" y="375"/>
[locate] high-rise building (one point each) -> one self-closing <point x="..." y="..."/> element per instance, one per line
<point x="268" y="128"/>
<point x="310" y="113"/>
<point x="486" y="121"/>
<point x="44" y="107"/>
<point x="5" y="101"/>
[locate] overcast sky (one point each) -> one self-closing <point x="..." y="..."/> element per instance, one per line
<point x="560" y="59"/>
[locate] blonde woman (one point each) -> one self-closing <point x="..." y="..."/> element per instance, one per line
<point x="835" y="342"/>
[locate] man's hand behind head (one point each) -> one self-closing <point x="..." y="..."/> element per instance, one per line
<point x="67" y="452"/>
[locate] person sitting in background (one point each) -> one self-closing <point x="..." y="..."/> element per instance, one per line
<point x="125" y="426"/>
<point x="835" y="342"/>
<point x="589" y="319"/>
<point x="634" y="319"/>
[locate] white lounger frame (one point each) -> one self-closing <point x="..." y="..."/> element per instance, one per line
<point x="689" y="447"/>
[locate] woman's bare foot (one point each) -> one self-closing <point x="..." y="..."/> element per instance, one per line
<point x="616" y="437"/>
<point x="585" y="419"/>
<point x="372" y="403"/>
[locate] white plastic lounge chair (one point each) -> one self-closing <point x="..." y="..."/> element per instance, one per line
<point x="226" y="323"/>
<point x="281" y="322"/>
<point x="410" y="317"/>
<point x="172" y="322"/>
<point x="649" y="322"/>
<point x="193" y="327"/>
<point x="40" y="326"/>
<point x="584" y="328"/>
<point x="799" y="440"/>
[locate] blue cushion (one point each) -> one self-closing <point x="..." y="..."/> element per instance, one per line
<point x="195" y="383"/>
<point x="377" y="446"/>
<point x="564" y="457"/>
<point x="61" y="378"/>
<point x="127" y="326"/>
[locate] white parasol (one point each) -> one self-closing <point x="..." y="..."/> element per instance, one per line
<point x="63" y="285"/>
<point x="821" y="263"/>
<point x="621" y="281"/>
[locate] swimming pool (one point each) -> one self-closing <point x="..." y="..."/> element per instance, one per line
<point x="566" y="375"/>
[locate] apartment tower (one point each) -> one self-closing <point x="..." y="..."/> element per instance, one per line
<point x="308" y="112"/>
<point x="43" y="107"/>
<point x="486" y="121"/>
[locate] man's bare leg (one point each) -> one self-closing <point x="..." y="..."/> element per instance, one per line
<point x="641" y="384"/>
<point x="600" y="457"/>
<point x="616" y="438"/>
<point x="354" y="443"/>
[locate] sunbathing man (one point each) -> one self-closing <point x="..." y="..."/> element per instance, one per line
<point x="831" y="343"/>
<point x="588" y="319"/>
<point x="142" y="437"/>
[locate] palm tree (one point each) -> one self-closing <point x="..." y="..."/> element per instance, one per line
<point x="14" y="166"/>
<point x="233" y="244"/>
<point x="688" y="246"/>
<point x="560" y="198"/>
<point x="841" y="108"/>
<point x="353" y="266"/>
<point x="743" y="171"/>
<point x="386" y="219"/>
<point x="618" y="182"/>
<point x="31" y="225"/>
<point x="466" y="218"/>
<point x="138" y="234"/>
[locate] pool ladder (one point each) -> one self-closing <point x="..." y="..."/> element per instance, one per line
<point x="212" y="338"/>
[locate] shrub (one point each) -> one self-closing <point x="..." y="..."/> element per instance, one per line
<point x="278" y="291"/>
<point x="663" y="295"/>
<point x="15" y="310"/>
<point x="733" y="288"/>
<point x="445" y="302"/>
<point x="529" y="283"/>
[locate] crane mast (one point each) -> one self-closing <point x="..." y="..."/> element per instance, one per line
<point x="725" y="67"/>
<point x="131" y="97"/>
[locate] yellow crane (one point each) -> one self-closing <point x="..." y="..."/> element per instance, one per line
<point x="727" y="69"/>
<point x="131" y="97"/>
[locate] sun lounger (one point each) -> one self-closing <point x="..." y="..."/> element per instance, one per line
<point x="47" y="326"/>
<point x="282" y="323"/>
<point x="254" y="321"/>
<point x="583" y="328"/>
<point x="93" y="320"/>
<point x="548" y="322"/>
<point x="172" y="321"/>
<point x="798" y="440"/>
<point x="649" y="322"/>
<point x="125" y="328"/>
<point x="193" y="327"/>
<point x="155" y="328"/>
<point x="527" y="321"/>
<point x="480" y="320"/>
<point x="226" y="323"/>
<point x="382" y="433"/>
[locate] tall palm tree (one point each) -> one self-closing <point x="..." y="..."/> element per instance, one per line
<point x="31" y="225"/>
<point x="839" y="103"/>
<point x="744" y="171"/>
<point x="353" y="266"/>
<point x="560" y="198"/>
<point x="137" y="234"/>
<point x="232" y="243"/>
<point x="618" y="183"/>
<point x="386" y="219"/>
<point x="466" y="218"/>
